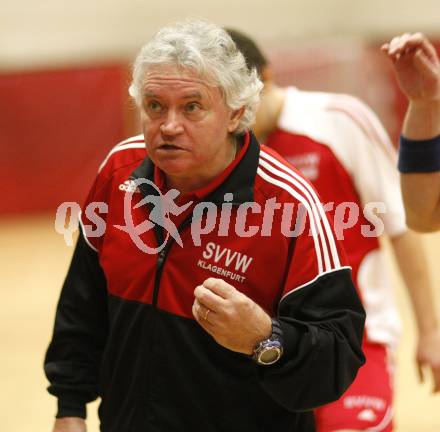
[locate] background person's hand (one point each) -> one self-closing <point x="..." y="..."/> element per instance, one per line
<point x="69" y="424"/>
<point x="428" y="356"/>
<point x="231" y="318"/>
<point x="417" y="66"/>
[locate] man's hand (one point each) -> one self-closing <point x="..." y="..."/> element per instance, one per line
<point x="428" y="355"/>
<point x="417" y="66"/>
<point x="69" y="424"/>
<point x="232" y="319"/>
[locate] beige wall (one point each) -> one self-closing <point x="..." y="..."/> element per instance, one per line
<point x="50" y="32"/>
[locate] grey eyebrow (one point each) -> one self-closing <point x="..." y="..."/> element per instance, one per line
<point x="149" y="94"/>
<point x="195" y="95"/>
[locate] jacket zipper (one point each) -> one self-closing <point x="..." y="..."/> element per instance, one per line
<point x="161" y="258"/>
<point x="164" y="252"/>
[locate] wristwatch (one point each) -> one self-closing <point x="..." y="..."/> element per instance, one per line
<point x="270" y="350"/>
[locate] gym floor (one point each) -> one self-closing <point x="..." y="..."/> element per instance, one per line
<point x="34" y="260"/>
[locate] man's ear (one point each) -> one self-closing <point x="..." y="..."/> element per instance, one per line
<point x="235" y="119"/>
<point x="266" y="74"/>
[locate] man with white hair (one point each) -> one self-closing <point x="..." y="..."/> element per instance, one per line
<point x="237" y="312"/>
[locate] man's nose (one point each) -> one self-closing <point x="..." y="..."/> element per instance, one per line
<point x="172" y="124"/>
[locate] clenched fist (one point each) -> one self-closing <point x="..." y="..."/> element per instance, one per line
<point x="234" y="320"/>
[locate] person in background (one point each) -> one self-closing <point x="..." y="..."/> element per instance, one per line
<point x="341" y="147"/>
<point x="241" y="327"/>
<point x="417" y="67"/>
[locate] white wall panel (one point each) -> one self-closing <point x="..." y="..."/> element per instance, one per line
<point x="51" y="32"/>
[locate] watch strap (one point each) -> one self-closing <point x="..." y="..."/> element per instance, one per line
<point x="277" y="331"/>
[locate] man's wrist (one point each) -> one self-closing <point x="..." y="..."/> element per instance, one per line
<point x="419" y="156"/>
<point x="425" y="104"/>
<point x="422" y="120"/>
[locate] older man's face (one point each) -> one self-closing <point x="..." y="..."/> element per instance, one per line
<point x="186" y="124"/>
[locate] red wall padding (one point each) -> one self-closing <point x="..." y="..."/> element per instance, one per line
<point x="55" y="129"/>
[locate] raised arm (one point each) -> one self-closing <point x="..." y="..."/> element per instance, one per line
<point x="417" y="69"/>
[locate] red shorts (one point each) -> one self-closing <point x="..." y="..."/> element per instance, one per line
<point x="367" y="404"/>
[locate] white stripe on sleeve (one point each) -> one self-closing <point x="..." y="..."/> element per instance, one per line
<point x="301" y="184"/>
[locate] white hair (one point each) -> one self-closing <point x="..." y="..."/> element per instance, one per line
<point x="208" y="50"/>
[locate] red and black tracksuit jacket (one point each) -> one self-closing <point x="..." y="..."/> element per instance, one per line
<point x="124" y="329"/>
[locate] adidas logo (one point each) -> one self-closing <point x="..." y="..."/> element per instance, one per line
<point x="129" y="186"/>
